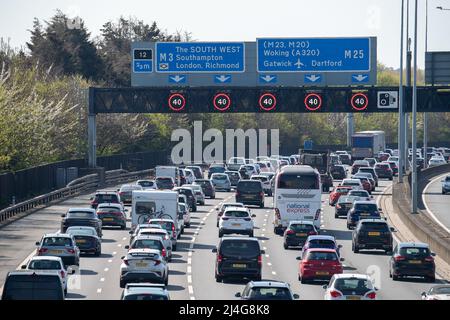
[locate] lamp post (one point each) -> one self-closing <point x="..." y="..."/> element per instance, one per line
<point x="414" y="120"/>
<point x="401" y="115"/>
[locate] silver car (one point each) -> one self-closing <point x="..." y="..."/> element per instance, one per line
<point x="198" y="193"/>
<point x="59" y="245"/>
<point x="143" y="265"/>
<point x="135" y="232"/>
<point x="145" y="291"/>
<point x="159" y="233"/>
<point x="221" y="181"/>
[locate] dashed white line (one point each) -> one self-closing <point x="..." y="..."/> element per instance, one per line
<point x="189" y="260"/>
<point x="269" y="264"/>
<point x="114" y="253"/>
<point x="102" y="280"/>
<point x="191" y="290"/>
<point x="119" y="245"/>
<point x="263" y="235"/>
<point x="192" y="298"/>
<point x="274" y="273"/>
<point x="190" y="254"/>
<point x="99" y="290"/>
<point x="110" y="260"/>
<point x="124" y="238"/>
<point x="106" y="269"/>
<point x="189" y="269"/>
<point x="267" y="256"/>
<point x="264" y="248"/>
<point x="263" y="241"/>
<point x="189" y="279"/>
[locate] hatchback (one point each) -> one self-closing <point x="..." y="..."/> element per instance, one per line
<point x="297" y="232"/>
<point x="320" y="242"/>
<point x="112" y="214"/>
<point x="144" y="292"/>
<point x="384" y="170"/>
<point x="349" y="286"/>
<point x="220" y="210"/>
<point x="236" y="220"/>
<point x="319" y="264"/>
<point x="221" y="181"/>
<point x="86" y="239"/>
<point x="126" y="190"/>
<point x="372" y="234"/>
<point x="149" y="242"/>
<point x="59" y="245"/>
<point x="207" y="187"/>
<point x="143" y="265"/>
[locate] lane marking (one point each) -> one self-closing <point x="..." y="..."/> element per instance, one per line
<point x="263" y="241"/>
<point x="110" y="260"/>
<point x="267" y="256"/>
<point x="190" y="254"/>
<point x="102" y="280"/>
<point x="124" y="238"/>
<point x="119" y="245"/>
<point x="106" y="269"/>
<point x="274" y="273"/>
<point x="189" y="260"/>
<point x="189" y="279"/>
<point x="426" y="205"/>
<point x="269" y="264"/>
<point x="99" y="290"/>
<point x="114" y="253"/>
<point x="189" y="269"/>
<point x="191" y="290"/>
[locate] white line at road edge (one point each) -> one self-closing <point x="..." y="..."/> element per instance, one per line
<point x="428" y="208"/>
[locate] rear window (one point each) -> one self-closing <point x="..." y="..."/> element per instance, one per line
<point x="166" y="225"/>
<point x="359" y="193"/>
<point x="44" y="265"/>
<point x="342" y="190"/>
<point x="263" y="179"/>
<point x="414" y="252"/>
<point x="220" y="177"/>
<point x="146" y="184"/>
<point x="145" y="297"/>
<point x="81" y="215"/>
<point x="262" y="165"/>
<point x="366" y="207"/>
<point x="147" y="244"/>
<point x="236" y="214"/>
<point x="366" y="226"/>
<point x="57" y="242"/>
<point x="298" y="181"/>
<point x="217" y="170"/>
<point x="270" y="293"/>
<point x="33" y="287"/>
<point x="249" y="186"/>
<point x="318" y="255"/>
<point x="322" y="243"/>
<point x="164" y="183"/>
<point x="112" y="198"/>
<point x="302" y="227"/>
<point x="352" y="286"/>
<point x="240" y="248"/>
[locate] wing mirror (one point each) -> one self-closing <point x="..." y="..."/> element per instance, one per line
<point x="298" y="258"/>
<point x="23" y="267"/>
<point x="433" y="254"/>
<point x="341" y="259"/>
<point x="296" y="296"/>
<point x="238" y="295"/>
<point x="214" y="250"/>
<point x="63" y="215"/>
<point x="263" y="251"/>
<point x="392" y="229"/>
<point x="37" y="243"/>
<point x="123" y="257"/>
<point x="127" y="247"/>
<point x="253" y="215"/>
<point x="325" y="286"/>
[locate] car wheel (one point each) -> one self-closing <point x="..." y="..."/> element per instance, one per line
<point x="174" y="248"/>
<point x="166" y="281"/>
<point x="336" y="216"/>
<point x="356" y="249"/>
<point x="285" y="246"/>
<point x="431" y="279"/>
<point x="98" y="253"/>
<point x="219" y="278"/>
<point x="188" y="225"/>
<point x="394" y="277"/>
<point x="251" y="234"/>
<point x="122" y="284"/>
<point x="123" y="227"/>
<point x="217" y="224"/>
<point x="302" y="280"/>
<point x="195" y="209"/>
<point x="258" y="278"/>
<point x="261" y="205"/>
<point x="65" y="291"/>
<point x="220" y="234"/>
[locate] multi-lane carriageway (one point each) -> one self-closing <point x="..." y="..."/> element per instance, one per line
<point x="192" y="267"/>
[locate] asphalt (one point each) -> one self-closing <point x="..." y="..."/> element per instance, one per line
<point x="436" y="203"/>
<point x="192" y="268"/>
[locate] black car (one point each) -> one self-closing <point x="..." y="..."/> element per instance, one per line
<point x="412" y="259"/>
<point x="105" y="197"/>
<point x="384" y="170"/>
<point x="81" y="217"/>
<point x="87" y="242"/>
<point x="362" y="210"/>
<point x="234" y="177"/>
<point x="238" y="257"/>
<point x="190" y="197"/>
<point x="32" y="285"/>
<point x="343" y="206"/>
<point x="345" y="159"/>
<point x="250" y="192"/>
<point x="207" y="187"/>
<point x="297" y="232"/>
<point x="372" y="234"/>
<point x="338" y="172"/>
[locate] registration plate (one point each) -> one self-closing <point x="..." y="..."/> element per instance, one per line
<point x="322" y="273"/>
<point x="80" y="241"/>
<point x="55" y="251"/>
<point x="239" y="265"/>
<point x="374" y="233"/>
<point x="141" y="264"/>
<point x="415" y="261"/>
<point x="301" y="234"/>
<point x="236" y="224"/>
<point x="108" y="219"/>
<point x="353" y="298"/>
<point x="365" y="214"/>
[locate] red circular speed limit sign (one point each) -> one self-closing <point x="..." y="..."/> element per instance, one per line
<point x="313" y="101"/>
<point x="177" y="102"/>
<point x="267" y="102"/>
<point x="222" y="101"/>
<point x="359" y="101"/>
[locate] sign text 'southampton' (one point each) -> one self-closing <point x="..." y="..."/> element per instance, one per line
<point x="200" y="57"/>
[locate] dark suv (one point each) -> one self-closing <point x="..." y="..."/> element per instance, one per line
<point x="384" y="170"/>
<point x="250" y="192"/>
<point x="192" y="202"/>
<point x="372" y="234"/>
<point x="362" y="210"/>
<point x="412" y="259"/>
<point x="234" y="176"/>
<point x="105" y="197"/>
<point x="32" y="285"/>
<point x="207" y="187"/>
<point x="238" y="257"/>
<point x="372" y="171"/>
<point x="79" y="217"/>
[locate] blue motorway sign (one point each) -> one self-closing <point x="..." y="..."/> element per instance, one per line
<point x="313" y="55"/>
<point x="192" y="57"/>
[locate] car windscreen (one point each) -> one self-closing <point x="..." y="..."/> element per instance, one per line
<point x="369" y="226"/>
<point x="369" y="207"/>
<point x="216" y="170"/>
<point x="322" y="243"/>
<point x="34" y="287"/>
<point x="262" y="179"/>
<point x="249" y="186"/>
<point x="220" y="177"/>
<point x="166" y="225"/>
<point x="270" y="293"/>
<point x="147" y="244"/>
<point x="236" y="214"/>
<point x="44" y="265"/>
<point x="243" y="248"/>
<point x="299" y="227"/>
<point x="361" y="194"/>
<point x="145" y="297"/>
<point x="80" y="215"/>
<point x="146" y="184"/>
<point x="164" y="183"/>
<point x="440" y="290"/>
<point x="412" y="252"/>
<point x="298" y="181"/>
<point x="57" y="242"/>
<point x="321" y="255"/>
<point x="352" y="286"/>
<point x="342" y="190"/>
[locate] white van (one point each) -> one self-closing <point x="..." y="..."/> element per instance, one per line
<point x="155" y="204"/>
<point x="298" y="196"/>
<point x="168" y="171"/>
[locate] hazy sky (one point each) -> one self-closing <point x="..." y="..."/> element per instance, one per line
<point x="244" y="20"/>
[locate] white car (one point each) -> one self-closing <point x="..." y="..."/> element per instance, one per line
<point x="143" y="265"/>
<point x="190" y="176"/>
<point x="266" y="182"/>
<point x="262" y="158"/>
<point x="184" y="209"/>
<point x="159" y="233"/>
<point x="439" y="292"/>
<point x="436" y="161"/>
<point x="147" y="184"/>
<point x="224" y="206"/>
<point x="350" y="286"/>
<point x="50" y="264"/>
<point x="135" y="232"/>
<point x="355" y="184"/>
<point x="236" y="220"/>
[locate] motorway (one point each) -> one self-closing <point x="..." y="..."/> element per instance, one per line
<point x="436" y="203"/>
<point x="192" y="267"/>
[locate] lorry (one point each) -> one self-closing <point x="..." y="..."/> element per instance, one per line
<point x="367" y="144"/>
<point x="168" y="171"/>
<point x="154" y="204"/>
<point x="319" y="160"/>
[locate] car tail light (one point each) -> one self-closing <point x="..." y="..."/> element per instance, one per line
<point x="371" y="295"/>
<point x="399" y="258"/>
<point x="260" y="259"/>
<point x="247" y="219"/>
<point x="63" y="274"/>
<point x="166" y="237"/>
<point x="429" y="259"/>
<point x="335" y="294"/>
<point x="277" y="213"/>
<point x="42" y="250"/>
<point x="71" y="251"/>
<point x="157" y="262"/>
<point x="290" y="231"/>
<point x="174" y="233"/>
<point x="219" y="258"/>
<point x="261" y="194"/>
<point x="317" y="214"/>
<point x="338" y="206"/>
<point x="163" y="252"/>
<point x="225" y="218"/>
<point x="121" y="193"/>
<point x="126" y="262"/>
<point x="312" y="233"/>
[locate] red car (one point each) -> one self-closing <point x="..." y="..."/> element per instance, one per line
<point x="319" y="264"/>
<point x="337" y="192"/>
<point x="365" y="183"/>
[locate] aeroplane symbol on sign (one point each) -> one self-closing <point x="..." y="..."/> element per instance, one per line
<point x="299" y="64"/>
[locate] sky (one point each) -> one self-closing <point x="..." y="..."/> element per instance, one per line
<point x="244" y="20"/>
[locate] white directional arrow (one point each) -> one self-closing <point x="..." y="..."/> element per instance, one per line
<point x="313" y="78"/>
<point x="223" y="78"/>
<point x="299" y="64"/>
<point x="177" y="78"/>
<point x="268" y="78"/>
<point x="360" y="77"/>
